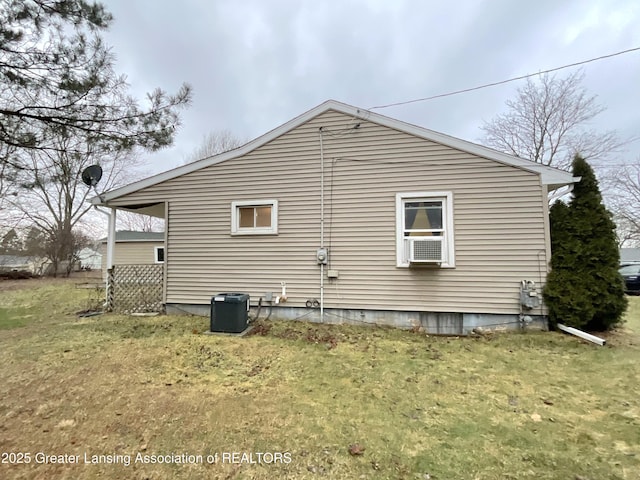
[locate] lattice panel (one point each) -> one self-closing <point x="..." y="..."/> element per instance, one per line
<point x="136" y="288"/>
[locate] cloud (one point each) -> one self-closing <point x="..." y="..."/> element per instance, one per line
<point x="255" y="64"/>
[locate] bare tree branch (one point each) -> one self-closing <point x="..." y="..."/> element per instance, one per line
<point x="623" y="198"/>
<point x="214" y="143"/>
<point x="139" y="223"/>
<point x="51" y="195"/>
<point x="547" y="123"/>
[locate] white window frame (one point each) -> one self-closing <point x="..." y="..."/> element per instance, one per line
<point x="449" y="260"/>
<point x="235" y="217"/>
<point x="155" y="254"/>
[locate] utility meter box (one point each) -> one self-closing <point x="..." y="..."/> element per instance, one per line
<point x="529" y="298"/>
<point x="322" y="254"/>
<point x="230" y="312"/>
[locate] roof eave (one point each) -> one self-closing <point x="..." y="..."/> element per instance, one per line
<point x="553" y="182"/>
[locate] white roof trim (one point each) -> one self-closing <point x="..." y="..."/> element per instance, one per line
<point x="137" y="240"/>
<point x="552" y="177"/>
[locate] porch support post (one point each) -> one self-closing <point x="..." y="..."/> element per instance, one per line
<point x="111" y="238"/>
<point x="111" y="243"/>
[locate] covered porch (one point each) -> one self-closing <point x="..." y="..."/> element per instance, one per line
<point x="135" y="286"/>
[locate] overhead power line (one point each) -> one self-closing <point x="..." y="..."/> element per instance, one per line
<point x="487" y="85"/>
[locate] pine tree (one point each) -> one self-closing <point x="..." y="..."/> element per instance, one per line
<point x="11" y="243"/>
<point x="584" y="288"/>
<point x="58" y="80"/>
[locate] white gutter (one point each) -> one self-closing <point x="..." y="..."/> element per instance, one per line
<point x="581" y="334"/>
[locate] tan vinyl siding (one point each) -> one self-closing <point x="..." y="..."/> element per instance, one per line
<point x="499" y="216"/>
<point x="131" y="253"/>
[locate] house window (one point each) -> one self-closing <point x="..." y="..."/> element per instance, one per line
<point x="254" y="217"/>
<point x="424" y="229"/>
<point x="159" y="254"/>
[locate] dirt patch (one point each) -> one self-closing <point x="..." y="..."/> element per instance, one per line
<point x="620" y="337"/>
<point x="17" y="275"/>
<point x="313" y="335"/>
<point x="7" y="284"/>
<point x="310" y="334"/>
<point x="260" y="328"/>
<point x="29" y="281"/>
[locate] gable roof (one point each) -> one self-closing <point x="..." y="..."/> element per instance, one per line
<point x="132" y="236"/>
<point x="552" y="177"/>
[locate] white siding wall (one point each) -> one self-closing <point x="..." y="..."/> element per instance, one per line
<point x="499" y="215"/>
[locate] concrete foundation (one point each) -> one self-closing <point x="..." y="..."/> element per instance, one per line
<point x="435" y="323"/>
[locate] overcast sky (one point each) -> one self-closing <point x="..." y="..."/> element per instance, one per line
<point x="255" y="64"/>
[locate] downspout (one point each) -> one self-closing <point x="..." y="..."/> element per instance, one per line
<point x="321" y="225"/>
<point x="558" y="194"/>
<point x="579" y="333"/>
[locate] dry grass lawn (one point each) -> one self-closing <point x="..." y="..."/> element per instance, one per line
<point x="127" y="389"/>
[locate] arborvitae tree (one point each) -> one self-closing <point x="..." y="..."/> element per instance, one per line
<point x="559" y="285"/>
<point x="599" y="255"/>
<point x="584" y="288"/>
<point x="559" y="216"/>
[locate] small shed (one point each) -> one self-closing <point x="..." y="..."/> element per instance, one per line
<point x="135" y="248"/>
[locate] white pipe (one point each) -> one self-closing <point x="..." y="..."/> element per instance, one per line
<point x="322" y="292"/>
<point x="283" y="297"/>
<point x="321" y="225"/>
<point x="321" y="193"/>
<point x="581" y="334"/>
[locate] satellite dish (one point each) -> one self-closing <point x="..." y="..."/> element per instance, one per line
<point x="92" y="175"/>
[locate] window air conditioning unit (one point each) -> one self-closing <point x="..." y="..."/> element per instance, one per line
<point x="425" y="250"/>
